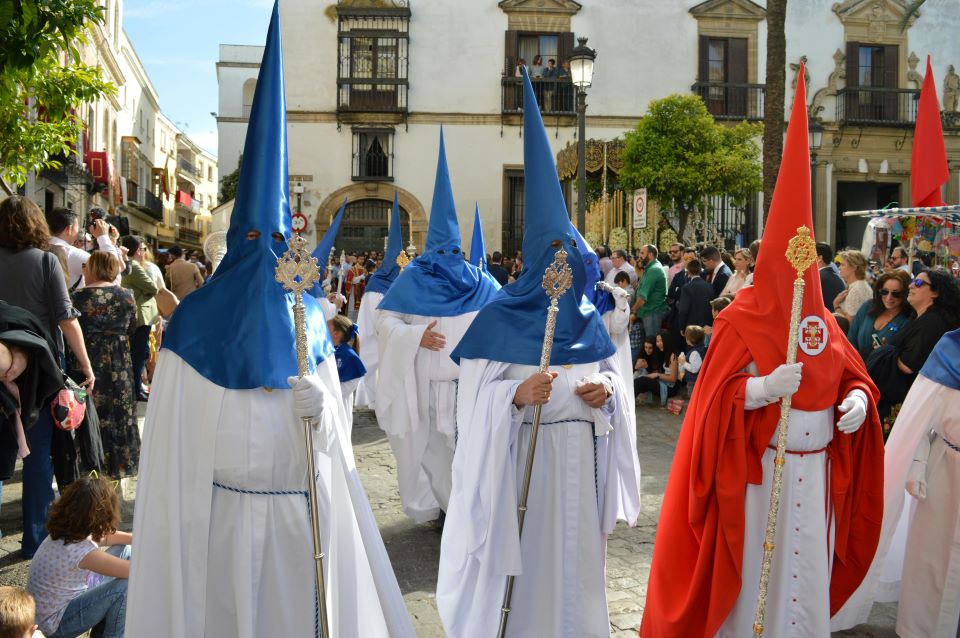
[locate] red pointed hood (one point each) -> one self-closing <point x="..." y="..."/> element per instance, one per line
<point x="928" y="162"/>
<point x="761" y="313"/>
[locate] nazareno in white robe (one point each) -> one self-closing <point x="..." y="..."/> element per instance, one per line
<point x="924" y="406"/>
<point x="416" y="406"/>
<point x="586" y="475"/>
<point x="220" y="558"/>
<point x="369" y="353"/>
<point x="798" y="598"/>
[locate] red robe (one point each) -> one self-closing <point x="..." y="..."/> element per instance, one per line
<point x="695" y="576"/>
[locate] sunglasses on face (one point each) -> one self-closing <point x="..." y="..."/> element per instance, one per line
<point x="919" y="283"/>
<point x="896" y="294"/>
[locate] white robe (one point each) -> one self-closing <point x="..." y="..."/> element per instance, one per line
<point x="580" y="486"/>
<point x="216" y="559"/>
<point x="930" y="596"/>
<point x="798" y="597"/>
<point x="925" y="404"/>
<point x="369" y="353"/>
<point x="348" y="390"/>
<point x="416" y="406"/>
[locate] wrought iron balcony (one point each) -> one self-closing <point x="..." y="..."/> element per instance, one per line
<point x="556" y="96"/>
<point x="189" y="235"/>
<point x="186" y="167"/>
<point x="736" y="102"/>
<point x="153" y="205"/>
<point x="877" y="106"/>
<point x="372" y="95"/>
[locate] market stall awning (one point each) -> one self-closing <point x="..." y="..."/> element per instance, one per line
<point x="949" y="213"/>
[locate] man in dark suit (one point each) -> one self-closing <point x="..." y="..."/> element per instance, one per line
<point x="497" y="270"/>
<point x="719" y="271"/>
<point x="693" y="309"/>
<point x="830" y="282"/>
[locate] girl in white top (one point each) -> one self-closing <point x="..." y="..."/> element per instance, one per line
<point x="68" y="562"/>
<point x="741" y="274"/>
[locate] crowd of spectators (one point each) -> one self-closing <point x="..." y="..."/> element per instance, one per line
<point x="893" y="313"/>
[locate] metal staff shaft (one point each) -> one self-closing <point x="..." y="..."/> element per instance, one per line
<point x="556" y="280"/>
<point x="297" y="270"/>
<point x="800" y="254"/>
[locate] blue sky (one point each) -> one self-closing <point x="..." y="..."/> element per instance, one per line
<point x="178" y="42"/>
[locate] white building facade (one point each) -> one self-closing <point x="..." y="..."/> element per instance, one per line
<point x="370" y="83"/>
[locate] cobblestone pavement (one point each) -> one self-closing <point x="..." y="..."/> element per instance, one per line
<point x="415" y="549"/>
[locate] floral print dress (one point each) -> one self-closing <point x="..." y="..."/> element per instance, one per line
<point x="108" y="317"/>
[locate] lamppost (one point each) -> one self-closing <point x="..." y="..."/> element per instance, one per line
<point x="581" y="74"/>
<point x="816" y="139"/>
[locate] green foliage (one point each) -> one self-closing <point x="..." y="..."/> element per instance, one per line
<point x="42" y="79"/>
<point x="229" y="182"/>
<point x="682" y="157"/>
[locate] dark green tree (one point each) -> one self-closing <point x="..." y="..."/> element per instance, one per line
<point x="43" y="81"/>
<point x="774" y="96"/>
<point x="229" y="182"/>
<point x="683" y="157"/>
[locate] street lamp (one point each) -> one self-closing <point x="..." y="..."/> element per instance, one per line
<point x="816" y="139"/>
<point x="581" y="74"/>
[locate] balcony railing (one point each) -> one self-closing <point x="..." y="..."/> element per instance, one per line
<point x="188" y="168"/>
<point x="372" y="95"/>
<point x="153" y="204"/>
<point x="876" y="106"/>
<point x="556" y="96"/>
<point x="727" y="101"/>
<point x="188" y="234"/>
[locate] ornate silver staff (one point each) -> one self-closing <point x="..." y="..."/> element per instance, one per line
<point x="298" y="271"/>
<point x="801" y="253"/>
<point x="557" y="279"/>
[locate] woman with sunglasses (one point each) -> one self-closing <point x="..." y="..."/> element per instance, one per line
<point x="876" y="323"/>
<point x="935" y="297"/>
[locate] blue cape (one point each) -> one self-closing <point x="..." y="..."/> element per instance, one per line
<point x="943" y="364"/>
<point x="440" y="282"/>
<point x="388" y="271"/>
<point x="237" y="330"/>
<point x="601" y="299"/>
<point x="511" y="327"/>
<point x="349" y="365"/>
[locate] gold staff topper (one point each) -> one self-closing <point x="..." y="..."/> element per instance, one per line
<point x="402" y="260"/>
<point x="801" y="251"/>
<point x="297" y="270"/>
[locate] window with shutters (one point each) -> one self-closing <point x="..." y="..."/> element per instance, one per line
<point x="373" y="155"/>
<point x="722" y="82"/>
<point x="513" y="205"/>
<point x="373" y="46"/>
<point x="546" y="57"/>
<point x="873" y="95"/>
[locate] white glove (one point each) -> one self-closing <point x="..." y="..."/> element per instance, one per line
<point x="854" y="410"/>
<point x="783" y="381"/>
<point x="917" y="480"/>
<point x="308" y="397"/>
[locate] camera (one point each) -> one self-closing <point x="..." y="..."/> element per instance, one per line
<point x="121" y="223"/>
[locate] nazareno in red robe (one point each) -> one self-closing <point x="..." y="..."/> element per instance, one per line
<point x="695" y="577"/>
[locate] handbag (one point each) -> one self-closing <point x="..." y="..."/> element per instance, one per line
<point x="69" y="405"/>
<point x="167" y="302"/>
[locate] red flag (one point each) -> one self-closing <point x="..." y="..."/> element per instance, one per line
<point x="928" y="163"/>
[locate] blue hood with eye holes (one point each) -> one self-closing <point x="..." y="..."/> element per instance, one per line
<point x="440" y="282"/>
<point x="511" y="327"/>
<point x="237" y="330"/>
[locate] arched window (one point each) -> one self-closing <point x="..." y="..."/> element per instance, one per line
<point x="249" y="88"/>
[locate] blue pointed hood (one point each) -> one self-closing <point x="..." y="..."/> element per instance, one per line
<point x="440" y="282"/>
<point x="510" y="328"/>
<point x="237" y="330"/>
<point x="601" y="300"/>
<point x="443" y="233"/>
<point x="388" y="271"/>
<point x="324" y="246"/>
<point x="478" y="253"/>
<point x="322" y="251"/>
